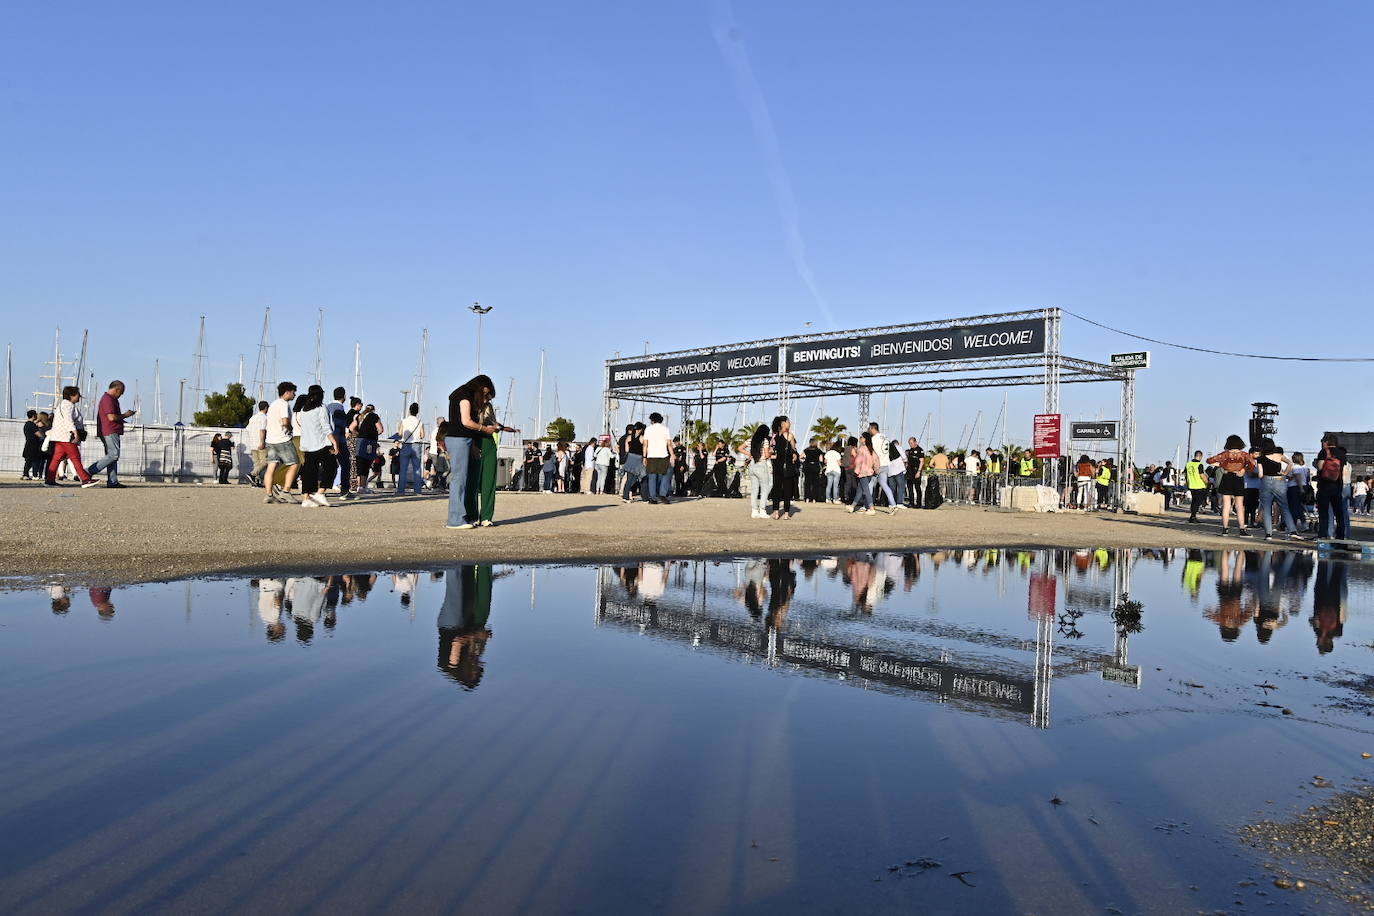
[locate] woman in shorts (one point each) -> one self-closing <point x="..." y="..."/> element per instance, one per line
<point x="1234" y="462"/>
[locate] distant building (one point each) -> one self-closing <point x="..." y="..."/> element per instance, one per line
<point x="1359" y="449"/>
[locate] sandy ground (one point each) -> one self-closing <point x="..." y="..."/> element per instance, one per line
<point x="152" y="532"/>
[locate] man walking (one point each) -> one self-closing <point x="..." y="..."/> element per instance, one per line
<point x="343" y="458"/>
<point x="109" y="426"/>
<point x="658" y="453"/>
<point x="281" y="451"/>
<point x="253" y="435"/>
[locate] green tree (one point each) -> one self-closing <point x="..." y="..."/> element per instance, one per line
<point x="698" y="433"/>
<point x="561" y="429"/>
<point x="731" y="438"/>
<point x="828" y="429"/>
<point x="233" y="407"/>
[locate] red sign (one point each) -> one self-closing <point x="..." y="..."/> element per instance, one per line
<point x="1048" y="435"/>
<point x="1043" y="594"/>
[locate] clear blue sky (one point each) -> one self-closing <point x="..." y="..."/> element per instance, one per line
<point x="694" y="173"/>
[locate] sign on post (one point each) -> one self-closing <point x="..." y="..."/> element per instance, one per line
<point x="1139" y="360"/>
<point x="1101" y="429"/>
<point x="1047" y="437"/>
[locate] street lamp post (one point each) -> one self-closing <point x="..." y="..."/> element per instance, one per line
<point x="480" y="311"/>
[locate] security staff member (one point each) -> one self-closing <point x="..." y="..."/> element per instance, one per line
<point x="679" y="467"/>
<point x="1104" y="482"/>
<point x="1027" y="465"/>
<point x="1197" y="483"/>
<point x="915" y="464"/>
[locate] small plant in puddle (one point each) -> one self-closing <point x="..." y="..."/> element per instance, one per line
<point x="1127" y="616"/>
<point x="1068" y="623"/>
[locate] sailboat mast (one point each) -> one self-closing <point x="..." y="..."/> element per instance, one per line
<point x="539" y="409"/>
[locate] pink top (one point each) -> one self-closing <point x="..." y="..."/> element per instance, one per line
<point x="865" y="463"/>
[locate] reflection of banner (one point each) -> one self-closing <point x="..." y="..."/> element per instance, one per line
<point x="949" y="681"/>
<point x="1046" y="435"/>
<point x="1005" y="338"/>
<point x="1043" y="590"/>
<point x="705" y="367"/>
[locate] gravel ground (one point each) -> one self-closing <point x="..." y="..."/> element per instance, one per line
<point x="153" y="532"/>
<point x="1329" y="845"/>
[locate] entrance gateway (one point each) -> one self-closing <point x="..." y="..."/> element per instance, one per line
<point x="986" y="351"/>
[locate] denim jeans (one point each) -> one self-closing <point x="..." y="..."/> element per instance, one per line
<point x="634" y="472"/>
<point x="462" y="494"/>
<point x="1297" y="507"/>
<point x="760" y="484"/>
<point x="883" y="483"/>
<point x="832" y="486"/>
<point x="110" y="462"/>
<point x="863" y="499"/>
<point x="658" y="486"/>
<point x="409" y="470"/>
<point x="1275" y="490"/>
<point x="1331" y="500"/>
<point x="898" y="484"/>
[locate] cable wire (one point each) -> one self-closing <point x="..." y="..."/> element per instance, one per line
<point x="1179" y="346"/>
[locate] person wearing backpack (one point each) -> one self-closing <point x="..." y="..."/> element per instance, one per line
<point x="1330" y="469"/>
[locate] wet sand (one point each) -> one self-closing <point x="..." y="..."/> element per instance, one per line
<point x="156" y="532"/>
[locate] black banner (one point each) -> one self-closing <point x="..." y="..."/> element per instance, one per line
<point x="726" y="364"/>
<point x="1005" y="338"/>
<point x="1099" y="429"/>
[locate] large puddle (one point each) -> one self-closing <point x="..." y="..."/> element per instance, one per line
<point x="958" y="731"/>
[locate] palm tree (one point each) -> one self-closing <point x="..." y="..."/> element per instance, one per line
<point x="937" y="450"/>
<point x="698" y="433"/>
<point x="730" y="438"/>
<point x="828" y="429"/>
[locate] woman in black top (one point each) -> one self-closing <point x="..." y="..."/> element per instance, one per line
<point x="35" y="428"/>
<point x="223" y="447"/>
<point x="1273" y="472"/>
<point x="784" y="467"/>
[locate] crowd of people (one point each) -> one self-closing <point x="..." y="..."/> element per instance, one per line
<point x="1264" y="488"/>
<point x="305" y="447"/>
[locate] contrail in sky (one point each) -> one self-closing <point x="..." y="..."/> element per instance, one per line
<point x="731" y="44"/>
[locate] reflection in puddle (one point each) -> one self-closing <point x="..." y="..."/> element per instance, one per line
<point x="754" y="734"/>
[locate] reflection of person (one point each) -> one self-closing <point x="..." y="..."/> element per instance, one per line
<point x="1328" y="604"/>
<point x="100" y="600"/>
<point x="1231" y="612"/>
<point x="463" y="632"/>
<point x="271" y="593"/>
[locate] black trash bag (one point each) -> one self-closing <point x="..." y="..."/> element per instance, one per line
<point x="933" y="496"/>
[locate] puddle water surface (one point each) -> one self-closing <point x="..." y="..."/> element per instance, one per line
<point x="959" y="731"/>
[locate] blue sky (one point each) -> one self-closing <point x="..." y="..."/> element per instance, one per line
<point x="694" y="173"/>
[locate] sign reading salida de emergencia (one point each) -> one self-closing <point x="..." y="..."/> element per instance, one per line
<point x="1005" y="338"/>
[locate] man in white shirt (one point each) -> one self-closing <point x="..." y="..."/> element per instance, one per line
<point x="658" y="452"/>
<point x="253" y="435"/>
<point x="879" y="442"/>
<point x="276" y="441"/>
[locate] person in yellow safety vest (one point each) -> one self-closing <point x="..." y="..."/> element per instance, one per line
<point x="995" y="463"/>
<point x="1104" y="481"/>
<point x="1197" y="484"/>
<point x="1027" y="466"/>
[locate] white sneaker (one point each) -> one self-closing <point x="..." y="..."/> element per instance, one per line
<point x="320" y="500"/>
<point x="461" y="527"/>
<point x="870" y="512"/>
<point x="308" y="503"/>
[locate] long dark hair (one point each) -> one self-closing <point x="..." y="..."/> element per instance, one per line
<point x="311" y="400"/>
<point x="867" y="440"/>
<point x="477" y="388"/>
<point x="756" y="443"/>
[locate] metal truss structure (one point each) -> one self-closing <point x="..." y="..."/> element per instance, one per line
<point x="1051" y="369"/>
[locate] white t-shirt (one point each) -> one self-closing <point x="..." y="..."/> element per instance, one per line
<point x="1359" y="488"/>
<point x="973" y="464"/>
<point x="880" y="445"/>
<point x="832" y="461"/>
<point x="658" y="442"/>
<point x="256" y="424"/>
<point x="280" y="410"/>
<point x="412" y="430"/>
<point x="604" y="455"/>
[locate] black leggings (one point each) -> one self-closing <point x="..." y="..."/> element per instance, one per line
<point x="1199" y="500"/>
